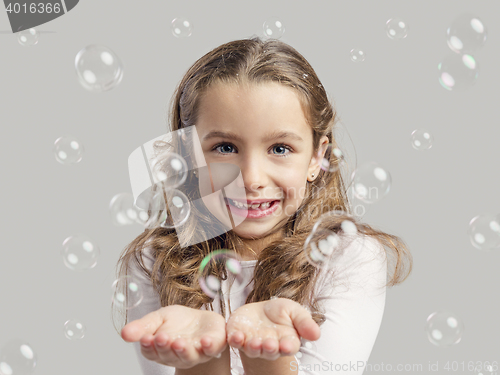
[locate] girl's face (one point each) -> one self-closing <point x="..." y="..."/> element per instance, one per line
<point x="263" y="130"/>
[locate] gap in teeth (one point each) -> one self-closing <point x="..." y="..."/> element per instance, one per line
<point x="253" y="206"/>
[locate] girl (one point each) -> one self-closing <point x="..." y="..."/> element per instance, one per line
<point x="260" y="106"/>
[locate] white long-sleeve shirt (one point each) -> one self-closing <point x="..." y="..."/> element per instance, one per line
<point x="353" y="298"/>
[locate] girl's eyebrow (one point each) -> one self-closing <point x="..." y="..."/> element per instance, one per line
<point x="270" y="137"/>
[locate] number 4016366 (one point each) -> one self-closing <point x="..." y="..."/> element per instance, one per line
<point x="33" y="8"/>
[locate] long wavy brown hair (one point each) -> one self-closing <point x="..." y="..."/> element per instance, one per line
<point x="282" y="268"/>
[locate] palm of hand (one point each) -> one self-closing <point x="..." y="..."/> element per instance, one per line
<point x="192" y="326"/>
<point x="178" y="336"/>
<point x="267" y="329"/>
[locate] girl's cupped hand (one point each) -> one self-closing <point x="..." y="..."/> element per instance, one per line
<point x="270" y="329"/>
<point x="178" y="336"/>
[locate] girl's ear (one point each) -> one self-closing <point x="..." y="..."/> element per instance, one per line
<point x="315" y="164"/>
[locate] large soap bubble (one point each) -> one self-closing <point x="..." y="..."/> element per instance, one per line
<point x="466" y="34"/>
<point x="444" y="328"/>
<point x="98" y="68"/>
<point x="484" y="231"/>
<point x="218" y="266"/>
<point x="80" y="252"/>
<point x="325" y="243"/>
<point x="371" y="182"/>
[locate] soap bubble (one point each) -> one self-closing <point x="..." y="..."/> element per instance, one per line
<point x="458" y="71"/>
<point x="337" y="158"/>
<point x="396" y="29"/>
<point x="484" y="231"/>
<point x="170" y="169"/>
<point x="74" y="329"/>
<point x="320" y="246"/>
<point x="122" y="210"/>
<point x="27" y="37"/>
<point x="323" y="245"/>
<point x="421" y="139"/>
<point x="273" y="28"/>
<point x="357" y="55"/>
<point x="98" y="68"/>
<point x="466" y="34"/>
<point x="371" y="182"/>
<point x="17" y="357"/>
<point x="68" y="150"/>
<point x="218" y="266"/>
<point x="181" y="27"/>
<point x="126" y="292"/>
<point x="444" y="329"/>
<point x="486" y="369"/>
<point x="169" y="208"/>
<point x="80" y="252"/>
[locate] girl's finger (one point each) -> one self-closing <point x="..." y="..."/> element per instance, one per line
<point x="148" y="324"/>
<point x="253" y="348"/>
<point x="208" y="346"/>
<point x="304" y="324"/>
<point x="162" y="342"/>
<point x="148" y="348"/>
<point x="184" y="350"/>
<point x="289" y="345"/>
<point x="271" y="349"/>
<point x="236" y="339"/>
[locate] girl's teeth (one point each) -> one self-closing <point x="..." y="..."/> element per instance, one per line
<point x="253" y="206"/>
<point x="265" y="205"/>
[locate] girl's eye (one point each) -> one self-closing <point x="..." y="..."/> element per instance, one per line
<point x="225" y="148"/>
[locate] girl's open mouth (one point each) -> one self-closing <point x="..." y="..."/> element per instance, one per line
<point x="262" y="210"/>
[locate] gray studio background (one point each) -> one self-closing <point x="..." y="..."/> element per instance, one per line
<point x="434" y="194"/>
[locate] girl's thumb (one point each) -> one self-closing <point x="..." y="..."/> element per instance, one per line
<point x="136" y="329"/>
<point x="305" y="325"/>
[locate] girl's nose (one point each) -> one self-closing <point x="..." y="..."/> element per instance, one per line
<point x="254" y="175"/>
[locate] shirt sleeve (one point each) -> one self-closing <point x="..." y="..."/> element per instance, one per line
<point x="149" y="303"/>
<point x="353" y="299"/>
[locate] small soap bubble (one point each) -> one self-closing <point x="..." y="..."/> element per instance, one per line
<point x="74" y="329"/>
<point x="484" y="231"/>
<point x="458" y="71"/>
<point x="444" y="329"/>
<point x="98" y="68"/>
<point x="396" y="29"/>
<point x="421" y="139"/>
<point x="486" y="369"/>
<point x="80" y="253"/>
<point x="333" y="158"/>
<point x="170" y="169"/>
<point x="466" y="34"/>
<point x="308" y="347"/>
<point x="371" y="182"/>
<point x="126" y="292"/>
<point x="28" y="37"/>
<point x="218" y="266"/>
<point x="17" y="357"/>
<point x="357" y="55"/>
<point x="273" y="28"/>
<point x="182" y="27"/>
<point x="68" y="150"/>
